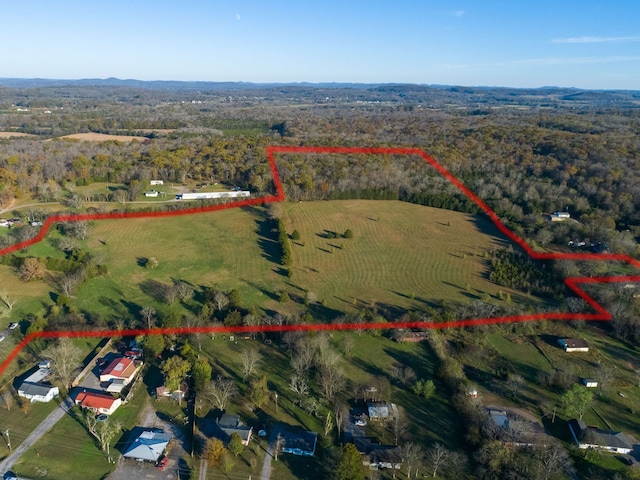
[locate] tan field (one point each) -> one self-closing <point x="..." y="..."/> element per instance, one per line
<point x="103" y="137"/>
<point x="15" y="134"/>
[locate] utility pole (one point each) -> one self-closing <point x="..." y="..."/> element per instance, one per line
<point x="8" y="440"/>
<point x="276" y="394"/>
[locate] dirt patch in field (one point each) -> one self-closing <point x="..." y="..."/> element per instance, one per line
<point x="15" y="134"/>
<point x="103" y="137"/>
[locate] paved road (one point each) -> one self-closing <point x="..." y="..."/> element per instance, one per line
<point x="202" y="474"/>
<point x="34" y="436"/>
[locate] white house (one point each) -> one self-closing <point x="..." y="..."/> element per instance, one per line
<point x="151" y="193"/>
<point x="38" y="392"/>
<point x="121" y="368"/>
<point x="98" y="403"/>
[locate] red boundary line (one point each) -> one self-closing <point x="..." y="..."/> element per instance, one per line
<point x="572" y="283"/>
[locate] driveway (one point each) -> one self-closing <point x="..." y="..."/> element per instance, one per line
<point x="266" y="466"/>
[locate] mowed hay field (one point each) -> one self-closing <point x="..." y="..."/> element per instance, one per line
<point x="398" y="250"/>
<point x="402" y="255"/>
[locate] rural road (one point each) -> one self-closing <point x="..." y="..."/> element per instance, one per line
<point x="34" y="436"/>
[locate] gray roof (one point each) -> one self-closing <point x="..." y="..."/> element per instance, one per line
<point x="231" y="424"/>
<point x="148" y="444"/>
<point x="35" y="389"/>
<point x="606" y="438"/>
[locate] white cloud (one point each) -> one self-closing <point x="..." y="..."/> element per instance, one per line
<point x="634" y="38"/>
<point x="238" y="16"/>
<point x="456" y="13"/>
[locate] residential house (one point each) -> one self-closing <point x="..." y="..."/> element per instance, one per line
<point x="230" y="424"/>
<point x="598" y="439"/>
<point x="121" y="368"/>
<point x="573" y="344"/>
<point x="590" y="383"/>
<point x="147" y="444"/>
<point x="559" y="216"/>
<point x="98" y="402"/>
<point x="157" y="182"/>
<point x="381" y="411"/>
<point x="38" y="392"/>
<point x="35" y="387"/>
<point x="376" y="456"/>
<point x="383" y="457"/>
<point x="151" y="193"/>
<point x="300" y="443"/>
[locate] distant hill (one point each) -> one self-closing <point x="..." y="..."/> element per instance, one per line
<point x="28" y="91"/>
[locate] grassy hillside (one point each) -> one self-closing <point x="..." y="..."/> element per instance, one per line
<point x="398" y="251"/>
<point x="401" y="255"/>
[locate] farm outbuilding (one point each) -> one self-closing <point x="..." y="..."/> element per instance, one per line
<point x="573" y="344"/>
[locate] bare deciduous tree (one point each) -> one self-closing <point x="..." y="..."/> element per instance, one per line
<point x="340" y="414"/>
<point x="299" y="384"/>
<point x="331" y="381"/>
<point x="250" y="361"/>
<point x="412" y="457"/>
<point x="184" y="291"/>
<point x="103" y="432"/>
<point x="65" y="360"/>
<point x="8" y="400"/>
<point x="221" y="301"/>
<point x="147" y="315"/>
<point x="219" y="391"/>
<point x="436" y="457"/>
<point x="278" y="446"/>
<point x="347" y="344"/>
<point x="7" y="300"/>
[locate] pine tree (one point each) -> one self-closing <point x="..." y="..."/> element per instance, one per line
<point x="350" y="466"/>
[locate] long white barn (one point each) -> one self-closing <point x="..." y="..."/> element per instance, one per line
<point x="207" y="195"/>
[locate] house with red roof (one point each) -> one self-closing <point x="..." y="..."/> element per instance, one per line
<point x="121" y="369"/>
<point x="98" y="402"/>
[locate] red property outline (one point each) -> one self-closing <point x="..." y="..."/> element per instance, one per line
<point x="572" y="283"/>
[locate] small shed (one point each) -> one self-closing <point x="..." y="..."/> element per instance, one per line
<point x="590" y="383"/>
<point x="573" y="344"/>
<point x="157" y="182"/>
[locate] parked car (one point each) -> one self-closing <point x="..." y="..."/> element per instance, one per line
<point x="13" y="326"/>
<point x="360" y="423"/>
<point x="162" y="463"/>
<point x="1" y="338"/>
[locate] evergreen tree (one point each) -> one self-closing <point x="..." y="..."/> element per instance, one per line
<point x="350" y="466"/>
<point x="235" y="444"/>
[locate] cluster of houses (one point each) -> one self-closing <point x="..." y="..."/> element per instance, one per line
<point x="9" y="223"/>
<point x="375" y="455"/>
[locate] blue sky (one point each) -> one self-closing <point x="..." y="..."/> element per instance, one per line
<point x="585" y="43"/>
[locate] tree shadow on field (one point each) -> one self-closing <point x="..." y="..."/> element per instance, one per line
<point x="117" y="308"/>
<point x="154" y="288"/>
<point x="263" y="290"/>
<point x="271" y="249"/>
<point x="486" y="226"/>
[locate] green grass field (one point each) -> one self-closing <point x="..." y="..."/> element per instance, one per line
<point x="398" y="251"/>
<point x="402" y="255"/>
